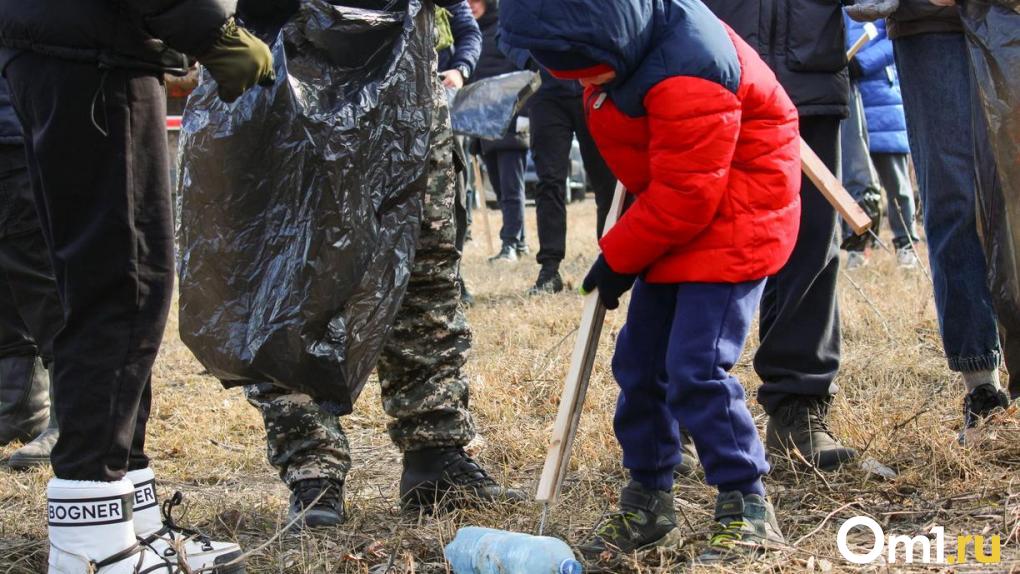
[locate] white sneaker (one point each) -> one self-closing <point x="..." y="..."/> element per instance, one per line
<point x="177" y="544"/>
<point x="92" y="532"/>
<point x="855" y="260"/>
<point x="906" y="258"/>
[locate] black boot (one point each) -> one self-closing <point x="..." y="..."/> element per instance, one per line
<point x="646" y="519"/>
<point x="324" y="500"/>
<point x="549" y="281"/>
<point x="978" y="405"/>
<point x="24" y="399"/>
<point x="465" y="296"/>
<point x="799" y="424"/>
<point x="37" y="452"/>
<point x="507" y="254"/>
<point x="446" y="477"/>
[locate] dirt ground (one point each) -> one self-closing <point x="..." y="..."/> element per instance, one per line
<point x="897" y="403"/>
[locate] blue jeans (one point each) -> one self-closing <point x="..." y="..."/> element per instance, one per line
<point x="937" y="98"/>
<point x="506" y="174"/>
<point x="672" y="362"/>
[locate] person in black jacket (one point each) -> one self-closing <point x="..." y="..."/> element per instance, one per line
<point x="556" y="118"/>
<point x="505" y="159"/>
<point x="30" y="311"/>
<point x="85" y="80"/>
<point x="798" y="356"/>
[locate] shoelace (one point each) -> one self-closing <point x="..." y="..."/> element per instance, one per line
<point x="308" y="491"/>
<point x="728" y="535"/>
<point x="463" y="470"/>
<point x="616" y="522"/>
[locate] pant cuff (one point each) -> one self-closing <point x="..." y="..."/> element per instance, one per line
<point x="751" y="487"/>
<point x="985" y="362"/>
<point x="653" y="480"/>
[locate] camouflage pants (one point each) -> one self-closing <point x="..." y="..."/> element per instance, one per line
<point x="420" y="370"/>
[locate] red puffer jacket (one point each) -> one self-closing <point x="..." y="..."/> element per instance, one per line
<point x="716" y="174"/>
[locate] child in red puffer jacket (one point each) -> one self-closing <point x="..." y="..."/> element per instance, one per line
<point x="692" y="121"/>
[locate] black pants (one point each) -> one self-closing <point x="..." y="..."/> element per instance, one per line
<point x="799" y="327"/>
<point x="30" y="312"/>
<point x="97" y="156"/>
<point x="554" y="122"/>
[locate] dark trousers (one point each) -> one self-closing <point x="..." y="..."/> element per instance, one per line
<point x="799" y="328"/>
<point x="506" y="174"/>
<point x="97" y="156"/>
<point x="30" y="312"/>
<point x="672" y="361"/>
<point x="554" y="122"/>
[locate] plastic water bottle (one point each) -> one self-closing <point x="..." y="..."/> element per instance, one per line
<point x="486" y="551"/>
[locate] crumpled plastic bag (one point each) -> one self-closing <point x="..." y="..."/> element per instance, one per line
<point x="486" y="108"/>
<point x="993" y="38"/>
<point x="301" y="203"/>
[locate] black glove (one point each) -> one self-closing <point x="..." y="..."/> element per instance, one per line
<point x="856" y="72"/>
<point x="611" y="285"/>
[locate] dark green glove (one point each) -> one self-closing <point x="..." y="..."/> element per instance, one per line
<point x="238" y="61"/>
<point x="611" y="285"/>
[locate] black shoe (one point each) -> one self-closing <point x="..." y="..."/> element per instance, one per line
<point x="689" y="459"/>
<point x="549" y="281"/>
<point x="24" y="399"/>
<point x="746" y="528"/>
<point x="324" y="500"/>
<point x="799" y="423"/>
<point x="507" y="254"/>
<point x="646" y="519"/>
<point x="978" y="405"/>
<point x="447" y="477"/>
<point x="522" y="248"/>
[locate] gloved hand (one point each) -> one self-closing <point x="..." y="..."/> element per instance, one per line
<point x="238" y="61"/>
<point x="871" y="10"/>
<point x="611" y="285"/>
<point x="856" y="72"/>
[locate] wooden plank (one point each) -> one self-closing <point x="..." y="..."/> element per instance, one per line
<point x="833" y="190"/>
<point x="483" y="205"/>
<point x="575" y="389"/>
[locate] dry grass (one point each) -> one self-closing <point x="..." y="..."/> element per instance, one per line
<point x="898" y="402"/>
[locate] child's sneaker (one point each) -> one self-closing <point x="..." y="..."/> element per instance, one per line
<point x="646" y="519"/>
<point x="746" y="528"/>
<point x="906" y="258"/>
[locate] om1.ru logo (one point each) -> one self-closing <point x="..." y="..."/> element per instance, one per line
<point x="910" y="546"/>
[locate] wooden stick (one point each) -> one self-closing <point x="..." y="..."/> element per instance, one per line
<point x="483" y="204"/>
<point x="870" y="33"/>
<point x="575" y="389"/>
<point x="833" y="190"/>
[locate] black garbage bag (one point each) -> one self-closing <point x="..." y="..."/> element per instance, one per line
<point x="993" y="38"/>
<point x="486" y="108"/>
<point x="301" y="203"/>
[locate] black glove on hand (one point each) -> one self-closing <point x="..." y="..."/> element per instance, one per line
<point x="856" y="72"/>
<point x="238" y="61"/>
<point x="611" y="285"/>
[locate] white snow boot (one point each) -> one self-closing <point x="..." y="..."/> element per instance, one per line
<point x="92" y="532"/>
<point x="189" y="549"/>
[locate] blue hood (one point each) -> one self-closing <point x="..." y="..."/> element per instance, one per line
<point x="645" y="41"/>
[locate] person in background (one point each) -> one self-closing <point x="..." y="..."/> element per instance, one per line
<point x="939" y="98"/>
<point x="459" y="52"/>
<point x="556" y="116"/>
<point x="505" y="159"/>
<point x="30" y="311"/>
<point x="86" y="81"/>
<point x="798" y="357"/>
<point x="698" y="128"/>
<point x="873" y="70"/>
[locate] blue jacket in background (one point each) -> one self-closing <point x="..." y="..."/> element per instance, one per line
<point x="467" y="39"/>
<point x="880" y="91"/>
<point x="10" y="128"/>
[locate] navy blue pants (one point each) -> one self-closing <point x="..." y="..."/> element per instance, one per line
<point x="672" y="363"/>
